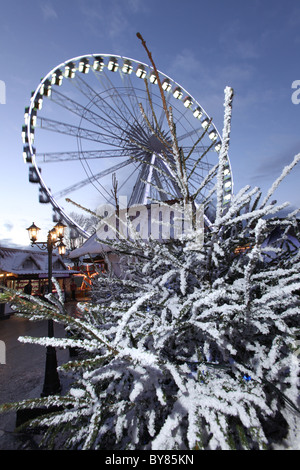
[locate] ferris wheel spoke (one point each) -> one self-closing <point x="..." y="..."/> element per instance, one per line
<point x="99" y="101"/>
<point x="83" y="133"/>
<point x="104" y="99"/>
<point x="116" y="120"/>
<point x="200" y="149"/>
<point x="200" y="165"/>
<point x="117" y="99"/>
<point x="133" y="99"/>
<point x="195" y="183"/>
<point x="130" y="176"/>
<point x="56" y="157"/>
<point x="192" y="133"/>
<point x="91" y="179"/>
<point x="85" y="113"/>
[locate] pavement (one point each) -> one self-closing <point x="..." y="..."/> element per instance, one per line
<point x="22" y="376"/>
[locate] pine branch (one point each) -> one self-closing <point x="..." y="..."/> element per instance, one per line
<point x="287" y="169"/>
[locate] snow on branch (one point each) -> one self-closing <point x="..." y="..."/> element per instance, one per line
<point x="224" y="150"/>
<point x="287" y="169"/>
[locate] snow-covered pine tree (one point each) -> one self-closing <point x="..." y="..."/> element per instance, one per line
<point x="194" y="346"/>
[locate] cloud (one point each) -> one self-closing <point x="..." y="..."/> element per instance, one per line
<point x="10" y="243"/>
<point x="270" y="168"/>
<point x="137" y="6"/>
<point x="232" y="42"/>
<point x="48" y="11"/>
<point x="110" y="19"/>
<point x="8" y="226"/>
<point x="274" y="164"/>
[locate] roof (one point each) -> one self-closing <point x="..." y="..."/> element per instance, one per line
<point x="90" y="247"/>
<point x="29" y="262"/>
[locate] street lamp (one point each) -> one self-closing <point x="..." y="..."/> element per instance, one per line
<point x="54" y="239"/>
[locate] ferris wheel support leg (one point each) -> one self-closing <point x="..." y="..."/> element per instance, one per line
<point x="149" y="178"/>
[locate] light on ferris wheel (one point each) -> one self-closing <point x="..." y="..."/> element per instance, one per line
<point x="178" y="93"/>
<point x="218" y="146"/>
<point x="187" y="101"/>
<point x="197" y="112"/>
<point x="227" y="198"/>
<point x="57" y="78"/>
<point x="227" y="186"/>
<point x="141" y="72"/>
<point x="153" y="78"/>
<point x="226" y="173"/>
<point x="205" y="123"/>
<point x="127" y="67"/>
<point x="33" y="116"/>
<point x="98" y="63"/>
<point x="166" y="85"/>
<point x="46" y="88"/>
<point x="38" y="100"/>
<point x="25" y="134"/>
<point x="27" y="155"/>
<point x="84" y="65"/>
<point x="113" y="64"/>
<point x="26" y="114"/>
<point x="212" y="135"/>
<point x="70" y="70"/>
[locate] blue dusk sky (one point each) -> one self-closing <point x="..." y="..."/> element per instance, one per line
<point x="252" y="46"/>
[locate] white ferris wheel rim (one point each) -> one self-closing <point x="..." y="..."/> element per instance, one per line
<point x="124" y="59"/>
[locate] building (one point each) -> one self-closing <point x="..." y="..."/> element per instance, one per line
<point x="18" y="267"/>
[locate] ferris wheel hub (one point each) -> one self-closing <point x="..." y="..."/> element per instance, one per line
<point x="156" y="145"/>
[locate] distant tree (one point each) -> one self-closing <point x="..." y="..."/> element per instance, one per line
<point x="73" y="238"/>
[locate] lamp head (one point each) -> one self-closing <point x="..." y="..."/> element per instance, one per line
<point x="53" y="235"/>
<point x="33" y="232"/>
<point x="60" y="229"/>
<point x="61" y="248"/>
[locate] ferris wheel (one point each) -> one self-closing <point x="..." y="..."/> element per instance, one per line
<point x="84" y="124"/>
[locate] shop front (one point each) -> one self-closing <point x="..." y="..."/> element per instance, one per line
<point x="27" y="271"/>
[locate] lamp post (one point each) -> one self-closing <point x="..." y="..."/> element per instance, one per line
<point x="54" y="239"/>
